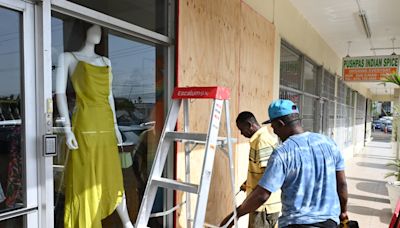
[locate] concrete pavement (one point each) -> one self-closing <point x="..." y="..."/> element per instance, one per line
<point x="368" y="197"/>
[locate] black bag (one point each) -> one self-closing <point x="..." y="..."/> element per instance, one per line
<point x="348" y="224"/>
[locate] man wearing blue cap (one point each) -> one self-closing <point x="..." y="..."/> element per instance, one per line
<point x="308" y="168"/>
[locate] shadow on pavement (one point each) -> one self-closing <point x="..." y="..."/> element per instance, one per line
<point x="375" y="165"/>
<point x="384" y="214"/>
<point x="375" y="188"/>
<point x="369" y="198"/>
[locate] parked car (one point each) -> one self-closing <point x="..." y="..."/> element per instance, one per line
<point x="386" y="124"/>
<point x="389" y="127"/>
<point x="376" y="124"/>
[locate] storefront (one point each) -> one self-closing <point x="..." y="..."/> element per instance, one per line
<point x="45" y="51"/>
<point x="327" y="104"/>
<point x="47" y="48"/>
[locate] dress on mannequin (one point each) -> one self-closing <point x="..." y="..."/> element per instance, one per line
<point x="14" y="187"/>
<point x="2" y="196"/>
<point x="93" y="175"/>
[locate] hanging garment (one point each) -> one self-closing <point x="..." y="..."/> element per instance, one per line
<point x="14" y="194"/>
<point x="2" y="196"/>
<point x="94" y="185"/>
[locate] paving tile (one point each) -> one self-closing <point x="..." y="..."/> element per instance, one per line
<point x="368" y="198"/>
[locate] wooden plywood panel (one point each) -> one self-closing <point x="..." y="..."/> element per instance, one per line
<point x="208" y="55"/>
<point x="228" y="44"/>
<point x="256" y="62"/>
<point x="208" y="48"/>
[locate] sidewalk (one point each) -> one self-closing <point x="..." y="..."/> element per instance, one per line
<point x="368" y="198"/>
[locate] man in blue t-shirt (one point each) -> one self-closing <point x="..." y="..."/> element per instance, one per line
<point x="308" y="168"/>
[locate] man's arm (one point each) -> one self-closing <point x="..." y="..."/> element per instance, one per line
<point x="250" y="204"/>
<point x="253" y="201"/>
<point x="341" y="186"/>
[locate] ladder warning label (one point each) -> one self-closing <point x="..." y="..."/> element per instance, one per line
<point x="192" y="93"/>
<point x="215" y="92"/>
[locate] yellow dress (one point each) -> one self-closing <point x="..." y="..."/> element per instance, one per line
<point x="94" y="185"/>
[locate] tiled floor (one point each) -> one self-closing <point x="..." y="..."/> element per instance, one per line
<point x="368" y="197"/>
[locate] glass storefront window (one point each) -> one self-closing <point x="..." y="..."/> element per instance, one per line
<point x="289" y="95"/>
<point x="150" y="14"/>
<point x="340" y="136"/>
<point x="360" y="114"/>
<point x="308" y="113"/>
<point x="137" y="68"/>
<point x="13" y="222"/>
<point x="341" y="92"/>
<point x="304" y="78"/>
<point x="11" y="119"/>
<point x="310" y="77"/>
<point x="349" y="96"/>
<point x="328" y="118"/>
<point x="349" y="123"/>
<point x="329" y="86"/>
<point x="290" y="69"/>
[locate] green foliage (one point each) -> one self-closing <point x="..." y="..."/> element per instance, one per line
<point x="392" y="78"/>
<point x="396" y="165"/>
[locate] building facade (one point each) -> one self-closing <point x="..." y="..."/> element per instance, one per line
<point x="261" y="50"/>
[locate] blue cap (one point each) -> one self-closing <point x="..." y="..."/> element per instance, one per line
<point x="280" y="108"/>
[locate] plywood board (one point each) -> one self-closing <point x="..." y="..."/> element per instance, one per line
<point x="218" y="42"/>
<point x="256" y="63"/>
<point x="208" y="55"/>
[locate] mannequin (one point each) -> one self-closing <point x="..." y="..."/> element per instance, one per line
<point x="79" y="65"/>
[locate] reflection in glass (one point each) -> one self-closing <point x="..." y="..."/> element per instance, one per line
<point x="329" y="86"/>
<point x="310" y="77"/>
<point x="349" y="96"/>
<point x="289" y="95"/>
<point x="328" y="118"/>
<point x="150" y="14"/>
<point x="360" y="114"/>
<point x="340" y="125"/>
<point x="349" y="124"/>
<point x="341" y="92"/>
<point x="290" y="70"/>
<point x="11" y="154"/>
<point x="138" y="92"/>
<point x="138" y="95"/>
<point x="13" y="222"/>
<point x="308" y="113"/>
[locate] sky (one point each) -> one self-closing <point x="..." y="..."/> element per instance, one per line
<point x="10" y="53"/>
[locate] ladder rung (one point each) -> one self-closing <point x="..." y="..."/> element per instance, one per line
<point x="192" y="137"/>
<point x="199" y="138"/>
<point x="173" y="184"/>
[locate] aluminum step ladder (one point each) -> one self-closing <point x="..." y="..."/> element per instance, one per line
<point x="220" y="97"/>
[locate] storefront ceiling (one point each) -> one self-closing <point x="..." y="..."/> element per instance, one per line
<point x="338" y="22"/>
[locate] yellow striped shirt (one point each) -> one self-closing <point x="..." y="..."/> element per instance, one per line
<point x="262" y="143"/>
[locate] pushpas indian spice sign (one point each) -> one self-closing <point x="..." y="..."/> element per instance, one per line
<point x="369" y="68"/>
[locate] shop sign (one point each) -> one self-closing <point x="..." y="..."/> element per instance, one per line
<point x="369" y="68"/>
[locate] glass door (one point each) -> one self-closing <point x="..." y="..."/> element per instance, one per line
<point x="18" y="157"/>
<point x="110" y="78"/>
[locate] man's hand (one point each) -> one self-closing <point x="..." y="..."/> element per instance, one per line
<point x="226" y="219"/>
<point x="243" y="187"/>
<point x="343" y="216"/>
